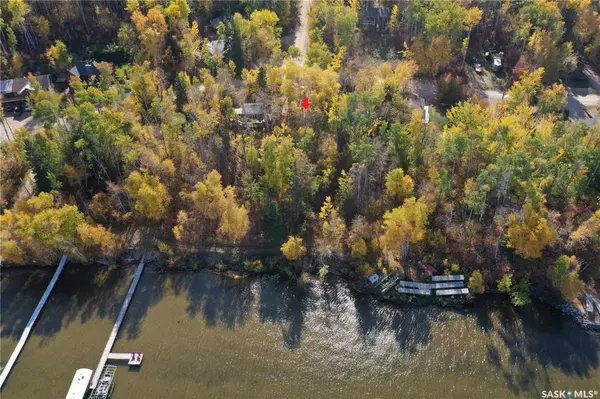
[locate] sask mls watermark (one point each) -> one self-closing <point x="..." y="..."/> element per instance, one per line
<point x="569" y="394"/>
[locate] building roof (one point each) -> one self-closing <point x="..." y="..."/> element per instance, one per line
<point x="6" y="86"/>
<point x="62" y="78"/>
<point x="85" y="68"/>
<point x="216" y="47"/>
<point x="382" y="12"/>
<point x="19" y="85"/>
<point x="253" y="109"/>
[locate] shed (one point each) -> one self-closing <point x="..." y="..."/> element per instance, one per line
<point x="374" y="278"/>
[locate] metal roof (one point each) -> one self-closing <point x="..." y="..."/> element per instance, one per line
<point x="253" y="108"/>
<point x="6" y="86"/>
<point x="18" y="85"/>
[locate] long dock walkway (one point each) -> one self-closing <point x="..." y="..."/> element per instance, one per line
<point x="31" y="322"/>
<point x="115" y="329"/>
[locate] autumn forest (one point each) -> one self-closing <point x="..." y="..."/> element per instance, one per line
<point x="191" y="133"/>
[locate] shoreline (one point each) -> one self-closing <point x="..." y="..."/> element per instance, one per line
<point x="564" y="306"/>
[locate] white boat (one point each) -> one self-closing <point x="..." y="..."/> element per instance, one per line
<point x="80" y="383"/>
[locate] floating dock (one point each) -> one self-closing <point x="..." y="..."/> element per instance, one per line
<point x="100" y="370"/>
<point x="133" y="359"/>
<point x="454" y="284"/>
<point x="413" y="291"/>
<point x="412" y="284"/>
<point x="456" y="291"/>
<point x="448" y="277"/>
<point x="431" y="286"/>
<point x="13" y="358"/>
<point x="443" y="288"/>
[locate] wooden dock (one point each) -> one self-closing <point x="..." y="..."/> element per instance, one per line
<point x="431" y="286"/>
<point x="13" y="358"/>
<point x="413" y="291"/>
<point x="456" y="291"/>
<point x="388" y="283"/>
<point x="412" y="284"/>
<point x="448" y="277"/>
<point x="452" y="284"/>
<point x="115" y="329"/>
<point x="119" y="356"/>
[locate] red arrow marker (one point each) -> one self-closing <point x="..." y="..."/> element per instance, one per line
<point x="305" y="103"/>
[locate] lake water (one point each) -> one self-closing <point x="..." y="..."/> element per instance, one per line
<point x="208" y="336"/>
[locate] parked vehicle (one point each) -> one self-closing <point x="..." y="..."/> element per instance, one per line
<point x="497" y="61"/>
<point x="477" y="65"/>
<point x="8" y="108"/>
<point x="26" y="107"/>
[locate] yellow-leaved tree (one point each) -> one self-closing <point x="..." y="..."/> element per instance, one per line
<point x="151" y="29"/>
<point x="218" y="203"/>
<point x="476" y="284"/>
<point x="293" y="248"/>
<point x="43" y="228"/>
<point x="530" y="233"/>
<point x="151" y="196"/>
<point x="398" y="185"/>
<point x="564" y="274"/>
<point x="404" y="225"/>
<point x="331" y="237"/>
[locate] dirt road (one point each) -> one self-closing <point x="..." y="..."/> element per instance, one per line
<point x="302" y="32"/>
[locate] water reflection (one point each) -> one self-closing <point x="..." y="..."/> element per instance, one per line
<point x="205" y="335"/>
<point x="345" y="336"/>
<point x="21" y="290"/>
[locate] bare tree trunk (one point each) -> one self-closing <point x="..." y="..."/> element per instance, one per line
<point x="83" y="16"/>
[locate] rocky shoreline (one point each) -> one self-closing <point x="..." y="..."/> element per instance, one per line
<point x="569" y="309"/>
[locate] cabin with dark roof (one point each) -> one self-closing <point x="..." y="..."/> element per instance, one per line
<point x="84" y="69"/>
